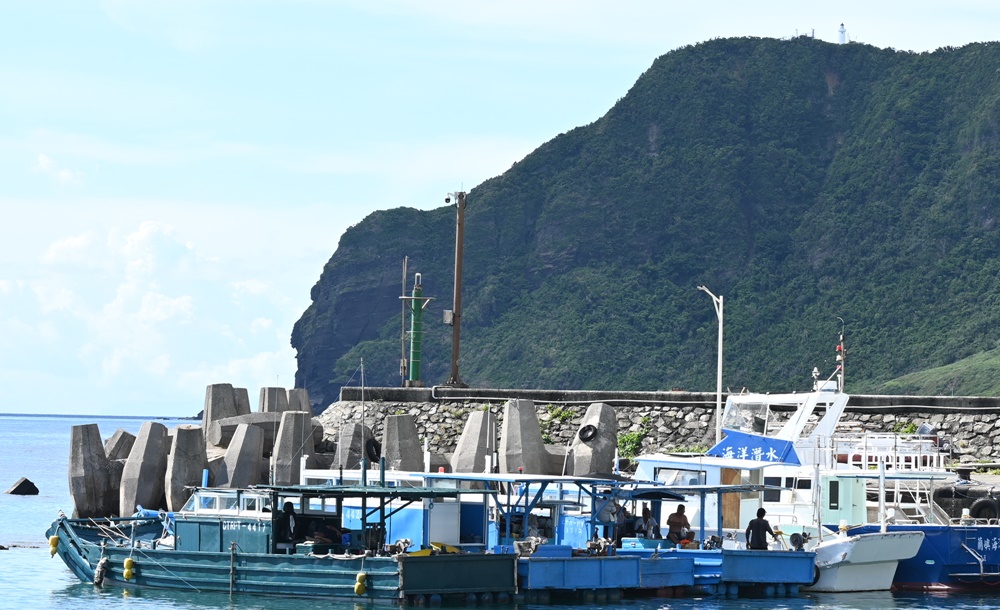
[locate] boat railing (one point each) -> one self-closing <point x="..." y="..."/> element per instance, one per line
<point x="897" y="451"/>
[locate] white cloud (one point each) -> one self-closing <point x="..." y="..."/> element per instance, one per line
<point x="260" y="324"/>
<point x="44" y="164"/>
<point x="252" y="287"/>
<point x="158" y="308"/>
<point x="53" y="295"/>
<point x="68" y="250"/>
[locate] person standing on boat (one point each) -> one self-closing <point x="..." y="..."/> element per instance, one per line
<point x="757" y="532"/>
<point x="677" y="525"/>
<point x="284" y="534"/>
<point x="647" y="525"/>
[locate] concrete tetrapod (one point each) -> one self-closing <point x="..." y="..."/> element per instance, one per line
<point x="185" y="465"/>
<point x="145" y="469"/>
<point x="89" y="474"/>
<point x="472" y="453"/>
<point x="244" y="461"/>
<point x="295" y="439"/>
<point x="119" y="445"/>
<point x="273" y="400"/>
<point x="401" y="444"/>
<point x="220" y="403"/>
<point x="593" y="447"/>
<point x="521" y="444"/>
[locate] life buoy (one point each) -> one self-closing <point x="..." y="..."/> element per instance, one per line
<point x="373" y="449"/>
<point x="985" y="508"/>
<point x="588" y="432"/>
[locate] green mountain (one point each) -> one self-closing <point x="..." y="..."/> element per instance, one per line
<point x="803" y="181"/>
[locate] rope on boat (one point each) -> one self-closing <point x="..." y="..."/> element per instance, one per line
<point x="166" y="569"/>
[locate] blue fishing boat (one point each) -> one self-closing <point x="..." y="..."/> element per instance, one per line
<point x="231" y="540"/>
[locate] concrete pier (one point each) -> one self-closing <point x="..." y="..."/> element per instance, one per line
<point x="143" y="478"/>
<point x="89" y="478"/>
<point x="401" y="444"/>
<point x="185" y="465"/>
<point x="593" y="447"/>
<point x="244" y="460"/>
<point x="295" y="439"/>
<point x="273" y="400"/>
<point x="472" y="453"/>
<point x="521" y="446"/>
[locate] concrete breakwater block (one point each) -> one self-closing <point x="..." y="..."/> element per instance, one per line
<point x="242" y="398"/>
<point x="472" y="453"/>
<point x="295" y="439"/>
<point x="521" y="446"/>
<point x="273" y="400"/>
<point x="89" y="474"/>
<point x="220" y="433"/>
<point x="220" y="403"/>
<point x="244" y="461"/>
<point x="298" y="400"/>
<point x="593" y="447"/>
<point x="185" y="465"/>
<point x="401" y="444"/>
<point x="145" y="469"/>
<point x="23" y="487"/>
<point x="118" y="446"/>
<point x="353" y="442"/>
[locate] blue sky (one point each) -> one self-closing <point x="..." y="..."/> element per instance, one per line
<point x="174" y="175"/>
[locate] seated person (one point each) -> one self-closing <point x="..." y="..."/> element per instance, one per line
<point x="326" y="533"/>
<point x="647" y="525"/>
<point x="678" y="526"/>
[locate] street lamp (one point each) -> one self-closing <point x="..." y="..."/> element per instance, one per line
<point x="717" y="301"/>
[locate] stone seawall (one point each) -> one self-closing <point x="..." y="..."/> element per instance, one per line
<point x="658" y="421"/>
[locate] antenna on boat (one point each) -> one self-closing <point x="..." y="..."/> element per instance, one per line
<point x="841" y="356"/>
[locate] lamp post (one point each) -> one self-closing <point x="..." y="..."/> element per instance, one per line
<point x="717" y="301"/>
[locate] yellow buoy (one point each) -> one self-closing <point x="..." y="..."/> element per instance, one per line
<point x="129" y="564"/>
<point x="52" y="551"/>
<point x="53" y="540"/>
<point x="362" y="577"/>
<point x="359" y="588"/>
<point x="127" y="574"/>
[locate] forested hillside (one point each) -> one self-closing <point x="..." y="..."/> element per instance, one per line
<point x="802" y="180"/>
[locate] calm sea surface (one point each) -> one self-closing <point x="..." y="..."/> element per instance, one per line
<point x="37" y="447"/>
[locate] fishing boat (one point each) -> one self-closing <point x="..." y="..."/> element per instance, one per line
<point x="230" y="540"/>
<point x="778" y="440"/>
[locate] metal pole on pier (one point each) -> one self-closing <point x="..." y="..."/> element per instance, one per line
<point x="717" y="301"/>
<point x="454" y="317"/>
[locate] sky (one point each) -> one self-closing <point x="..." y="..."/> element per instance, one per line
<point x="175" y="174"/>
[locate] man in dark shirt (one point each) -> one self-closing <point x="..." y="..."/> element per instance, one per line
<point x="757" y="531"/>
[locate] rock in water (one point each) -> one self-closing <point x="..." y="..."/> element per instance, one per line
<point x="23" y="487"/>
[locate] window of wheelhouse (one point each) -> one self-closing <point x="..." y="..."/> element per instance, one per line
<point x="772" y="495"/>
<point x="677" y="476"/>
<point x="834" y="495"/>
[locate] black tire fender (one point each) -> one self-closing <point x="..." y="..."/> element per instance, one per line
<point x="373" y="449"/>
<point x="587" y="432"/>
<point x="815" y="575"/>
<point x="985" y="508"/>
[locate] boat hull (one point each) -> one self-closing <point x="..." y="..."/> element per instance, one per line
<point x="947" y="558"/>
<point x="865" y="562"/>
<point x="385" y="578"/>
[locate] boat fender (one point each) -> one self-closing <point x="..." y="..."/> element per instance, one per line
<point x="588" y="432"/>
<point x="373" y="449"/>
<point x="129" y="563"/>
<point x="128" y="574"/>
<point x="53" y="545"/>
<point x="359" y="586"/>
<point x="985" y="508"/>
<point x="815" y="575"/>
<point x="100" y="571"/>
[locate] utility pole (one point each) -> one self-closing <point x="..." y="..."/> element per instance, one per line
<point x="454" y="317"/>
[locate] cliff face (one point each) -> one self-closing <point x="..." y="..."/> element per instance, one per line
<point x="804" y="181"/>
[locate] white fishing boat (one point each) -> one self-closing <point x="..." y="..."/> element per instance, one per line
<point x="815" y="488"/>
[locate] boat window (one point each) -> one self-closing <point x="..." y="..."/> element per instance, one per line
<point x="207" y="502"/>
<point x="674" y="476"/>
<point x="230" y="503"/>
<point x="250" y="504"/>
<point x="772" y="495"/>
<point x="746" y="417"/>
<point x="803" y="484"/>
<point x="834" y="495"/>
<point x="190" y="504"/>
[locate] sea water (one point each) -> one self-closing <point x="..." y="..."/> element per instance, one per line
<point x="37" y="447"/>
